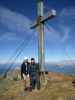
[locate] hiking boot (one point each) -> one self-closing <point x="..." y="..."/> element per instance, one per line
<point x="26" y="89"/>
<point x="30" y="89"/>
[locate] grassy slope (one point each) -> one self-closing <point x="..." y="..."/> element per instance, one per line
<point x="54" y="90"/>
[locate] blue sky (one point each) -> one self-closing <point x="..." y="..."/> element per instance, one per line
<point x="16" y="17"/>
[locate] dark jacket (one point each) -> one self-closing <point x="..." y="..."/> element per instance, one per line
<point x="24" y="69"/>
<point x="34" y="70"/>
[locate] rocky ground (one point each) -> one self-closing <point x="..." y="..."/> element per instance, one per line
<point x="53" y="90"/>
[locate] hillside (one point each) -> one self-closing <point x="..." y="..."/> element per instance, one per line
<point x="59" y="76"/>
<point x="58" y="87"/>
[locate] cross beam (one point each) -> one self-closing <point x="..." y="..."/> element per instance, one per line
<point x="42" y="21"/>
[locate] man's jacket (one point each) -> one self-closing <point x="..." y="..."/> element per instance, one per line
<point x="34" y="70"/>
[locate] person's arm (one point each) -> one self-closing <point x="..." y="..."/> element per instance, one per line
<point x="38" y="68"/>
<point x="28" y="68"/>
<point x="30" y="71"/>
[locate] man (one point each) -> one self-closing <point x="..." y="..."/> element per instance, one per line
<point x="25" y="72"/>
<point x="34" y="74"/>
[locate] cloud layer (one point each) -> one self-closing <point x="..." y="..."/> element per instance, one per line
<point x="18" y="23"/>
<point x="14" y="23"/>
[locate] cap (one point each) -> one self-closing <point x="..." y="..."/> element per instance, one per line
<point x="25" y="58"/>
<point x="32" y="59"/>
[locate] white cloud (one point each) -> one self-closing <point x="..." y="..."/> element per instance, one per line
<point x="66" y="32"/>
<point x="68" y="12"/>
<point x="9" y="36"/>
<point x="57" y="35"/>
<point x="51" y="34"/>
<point x="14" y="21"/>
<point x="67" y="22"/>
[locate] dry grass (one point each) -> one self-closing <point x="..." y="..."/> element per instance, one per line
<point x="54" y="90"/>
